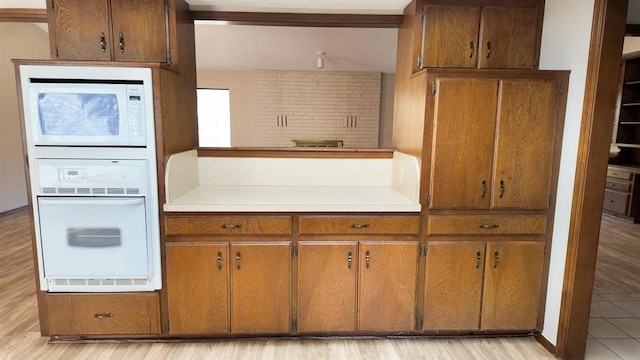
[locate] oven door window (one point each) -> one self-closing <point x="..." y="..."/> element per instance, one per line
<point x="93" y="237"/>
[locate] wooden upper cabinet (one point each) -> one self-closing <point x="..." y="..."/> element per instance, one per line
<point x="79" y="29"/>
<point x="387" y="286"/>
<point x="525" y="144"/>
<point x="508" y="38"/>
<point x="327" y="286"/>
<point x="197" y="288"/>
<point x="119" y="30"/>
<point x="450" y="36"/>
<point x="260" y="287"/>
<point x="512" y="283"/>
<point x="470" y="35"/>
<point x="455" y="270"/>
<point x="464" y="128"/>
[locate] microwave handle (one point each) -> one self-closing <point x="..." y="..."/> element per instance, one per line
<point x="92" y="202"/>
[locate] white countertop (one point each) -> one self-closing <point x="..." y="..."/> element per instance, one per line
<point x="292" y="199"/>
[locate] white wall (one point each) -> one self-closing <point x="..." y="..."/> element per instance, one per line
<point x="17" y="41"/>
<point x="565" y="46"/>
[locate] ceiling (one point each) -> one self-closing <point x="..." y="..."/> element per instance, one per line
<point x="236" y="47"/>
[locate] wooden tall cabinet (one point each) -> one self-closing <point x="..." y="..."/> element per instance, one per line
<point x="113" y="30"/>
<point x="482" y="34"/>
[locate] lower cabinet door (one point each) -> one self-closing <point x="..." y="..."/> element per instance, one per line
<point x="197" y="288"/>
<point x="260" y="287"/>
<point x="512" y="281"/>
<point x="387" y="286"/>
<point x="327" y="286"/>
<point x="454" y="285"/>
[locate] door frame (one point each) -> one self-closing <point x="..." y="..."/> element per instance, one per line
<point x="607" y="35"/>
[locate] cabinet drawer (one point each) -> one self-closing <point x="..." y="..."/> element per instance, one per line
<point x="616" y="201"/>
<point x="213" y="225"/>
<point x="359" y="225"/>
<point x="480" y="224"/>
<point x="103" y="314"/>
<point x="618" y="185"/>
<point x="618" y="173"/>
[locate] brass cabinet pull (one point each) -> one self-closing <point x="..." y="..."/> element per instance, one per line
<point x="478" y="259"/>
<point x="238" y="260"/>
<point x="471" y="47"/>
<point x="102" y="315"/>
<point x="496" y="258"/>
<point x="121" y="42"/>
<point x="219" y="258"/>
<point x="231" y="226"/>
<point x="612" y="201"/>
<point x="367" y="258"/>
<point x="488" y="49"/>
<point x="350" y="258"/>
<point x="359" y="226"/>
<point x="501" y="188"/>
<point x="484" y="188"/>
<point x="488" y="226"/>
<point x="103" y="42"/>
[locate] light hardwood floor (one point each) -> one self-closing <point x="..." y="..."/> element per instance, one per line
<point x="20" y="337"/>
<point x="618" y="265"/>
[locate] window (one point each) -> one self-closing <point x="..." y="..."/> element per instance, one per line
<point x="214" y="118"/>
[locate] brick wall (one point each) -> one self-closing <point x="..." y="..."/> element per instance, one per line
<point x="317" y="105"/>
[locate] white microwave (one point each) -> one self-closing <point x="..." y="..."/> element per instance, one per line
<point x="88" y="106"/>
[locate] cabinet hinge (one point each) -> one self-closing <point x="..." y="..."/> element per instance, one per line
<point x="57" y="56"/>
<point x="294" y="324"/>
<point x="428" y="199"/>
<point x="170" y="57"/>
<point x="167" y="8"/>
<point x="419" y="322"/>
<point x="561" y="89"/>
<point x="422" y="14"/>
<point x="423" y="250"/>
<point x="434" y="87"/>
<point x="294" y="250"/>
<point x="419" y="62"/>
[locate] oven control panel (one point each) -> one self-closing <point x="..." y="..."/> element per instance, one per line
<point x="72" y="175"/>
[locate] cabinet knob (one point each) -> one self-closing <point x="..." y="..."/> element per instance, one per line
<point x="478" y="259"/>
<point x="488" y="226"/>
<point x="231" y="226"/>
<point x="359" y="226"/>
<point x="102" y="315"/>
<point x="349" y="258"/>
<point x="484" y="188"/>
<point x="238" y="260"/>
<point x="103" y="42"/>
<point x="472" y="47"/>
<point x="501" y="188"/>
<point x="488" y="49"/>
<point x="496" y="258"/>
<point x="121" y="42"/>
<point x="367" y="258"/>
<point x="219" y="259"/>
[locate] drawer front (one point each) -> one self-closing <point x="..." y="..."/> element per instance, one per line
<point x="213" y="225"/>
<point x="621" y="186"/>
<point x="618" y="173"/>
<point x="616" y="201"/>
<point x="479" y="224"/>
<point x="317" y="225"/>
<point x="103" y="314"/>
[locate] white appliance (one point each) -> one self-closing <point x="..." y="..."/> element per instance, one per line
<point x="94" y="229"/>
<point x="86" y="106"/>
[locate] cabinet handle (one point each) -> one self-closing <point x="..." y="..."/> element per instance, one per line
<point x="488" y="226"/>
<point x="472" y="46"/>
<point x="478" y="259"/>
<point x="121" y="42"/>
<point x="219" y="258"/>
<point x="238" y="260"/>
<point x="367" y="258"/>
<point x="231" y="226"/>
<point x="103" y="42"/>
<point x="350" y="258"/>
<point x="488" y="49"/>
<point x="501" y="188"/>
<point x="612" y="201"/>
<point x="484" y="188"/>
<point x="496" y="258"/>
<point x="102" y="315"/>
<point x="359" y="226"/>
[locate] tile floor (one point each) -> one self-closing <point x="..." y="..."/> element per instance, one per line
<point x="614" y="327"/>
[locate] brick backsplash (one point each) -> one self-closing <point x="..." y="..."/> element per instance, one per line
<point x="317" y="105"/>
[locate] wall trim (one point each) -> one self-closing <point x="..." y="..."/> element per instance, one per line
<point x="603" y="70"/>
<point x="300" y="19"/>
<point x="13" y="211"/>
<point x="23" y="15"/>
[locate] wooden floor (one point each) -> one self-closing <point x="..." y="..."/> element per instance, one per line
<point x="20" y="337"/>
<point x="618" y="263"/>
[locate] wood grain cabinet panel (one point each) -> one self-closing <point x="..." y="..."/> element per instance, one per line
<point x="103" y="314"/>
<point x="486" y="224"/>
<point x="512" y="283"/>
<point x="326" y="225"/>
<point x="139" y="30"/>
<point x="197" y="288"/>
<point x="387" y="286"/>
<point x="455" y="271"/>
<point x="220" y="225"/>
<point x="450" y="36"/>
<point x="327" y="286"/>
<point x="260" y="288"/>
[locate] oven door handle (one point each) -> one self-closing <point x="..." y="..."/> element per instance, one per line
<point x="92" y="202"/>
